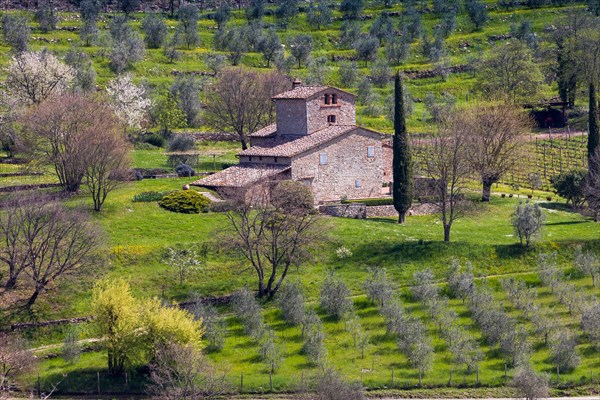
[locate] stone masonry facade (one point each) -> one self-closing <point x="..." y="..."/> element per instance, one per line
<point x="316" y="141"/>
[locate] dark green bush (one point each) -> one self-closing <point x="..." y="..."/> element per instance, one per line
<point x="185" y="201"/>
<point x="147" y="197"/>
<point x="571" y="186"/>
<point x="155" y="140"/>
<point x="182" y="142"/>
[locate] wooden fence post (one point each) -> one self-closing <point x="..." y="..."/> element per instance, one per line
<point x="242" y="383"/>
<point x="98" y="380"/>
<point x="392" y="376"/>
<point x="271" y="380"/>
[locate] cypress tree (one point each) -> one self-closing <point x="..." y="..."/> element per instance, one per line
<point x="402" y="189"/>
<point x="593" y="134"/>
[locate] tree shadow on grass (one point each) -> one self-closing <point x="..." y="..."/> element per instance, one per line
<point x="553" y="205"/>
<point x="565" y="223"/>
<point x="88" y="380"/>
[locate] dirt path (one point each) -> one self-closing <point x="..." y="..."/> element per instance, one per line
<point x="57" y="346"/>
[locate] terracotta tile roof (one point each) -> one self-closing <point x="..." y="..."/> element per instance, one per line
<point x="301" y="92"/>
<point x="289" y="146"/>
<point x="267" y="131"/>
<point x="240" y="175"/>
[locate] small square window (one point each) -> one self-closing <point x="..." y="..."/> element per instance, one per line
<point x="371" y="151"/>
<point x="331" y="119"/>
<point x="323" y="158"/>
<point x="358" y="183"/>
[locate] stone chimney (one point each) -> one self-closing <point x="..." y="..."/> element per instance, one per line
<point x="296" y="84"/>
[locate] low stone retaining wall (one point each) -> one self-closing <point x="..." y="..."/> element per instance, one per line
<point x="353" y="210"/>
<point x="361" y="211"/>
<point x="390" y="211"/>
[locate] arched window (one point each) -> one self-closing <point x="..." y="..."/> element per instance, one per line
<point x="327" y="99"/>
<point x="334" y="98"/>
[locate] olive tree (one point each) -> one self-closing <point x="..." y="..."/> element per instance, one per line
<point x="378" y="287"/>
<point x="529" y="384"/>
<point x="292" y="301"/>
<point x="562" y="348"/>
<point x="527" y="220"/>
<point x="585" y="262"/>
<point x="334" y="297"/>
<point x="249" y="312"/>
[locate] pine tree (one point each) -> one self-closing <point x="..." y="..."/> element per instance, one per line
<point x="402" y="189"/>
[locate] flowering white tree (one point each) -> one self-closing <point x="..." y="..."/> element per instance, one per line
<point x="129" y="101"/>
<point x="33" y="76"/>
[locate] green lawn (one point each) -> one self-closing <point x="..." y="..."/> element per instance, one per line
<point x="139" y="233"/>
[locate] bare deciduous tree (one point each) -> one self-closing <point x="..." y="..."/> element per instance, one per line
<point x="274" y="230"/>
<point x="106" y="156"/>
<point x="81" y="138"/>
<point x="183" y="372"/>
<point x="448" y="165"/>
<point x="50" y="242"/>
<point x="493" y="141"/>
<point x="240" y="101"/>
<point x="15" y="359"/>
<point x="59" y="242"/>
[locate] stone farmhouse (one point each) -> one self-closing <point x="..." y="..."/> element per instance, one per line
<point x="315" y="140"/>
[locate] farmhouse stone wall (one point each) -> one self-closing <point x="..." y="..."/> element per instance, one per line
<point x="291" y="117"/>
<point x="344" y="111"/>
<point x="348" y="171"/>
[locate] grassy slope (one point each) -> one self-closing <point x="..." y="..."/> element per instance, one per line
<point x="139" y="232"/>
<point x="462" y="46"/>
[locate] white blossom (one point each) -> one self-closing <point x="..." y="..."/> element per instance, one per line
<point x="129" y="101"/>
<point x="32" y="77"/>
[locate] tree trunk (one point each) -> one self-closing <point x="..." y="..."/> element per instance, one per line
<point x="447" y="232"/>
<point x="401" y="217"/>
<point x="243" y="142"/>
<point x="487" y="190"/>
<point x="11" y="282"/>
<point x="33" y="298"/>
